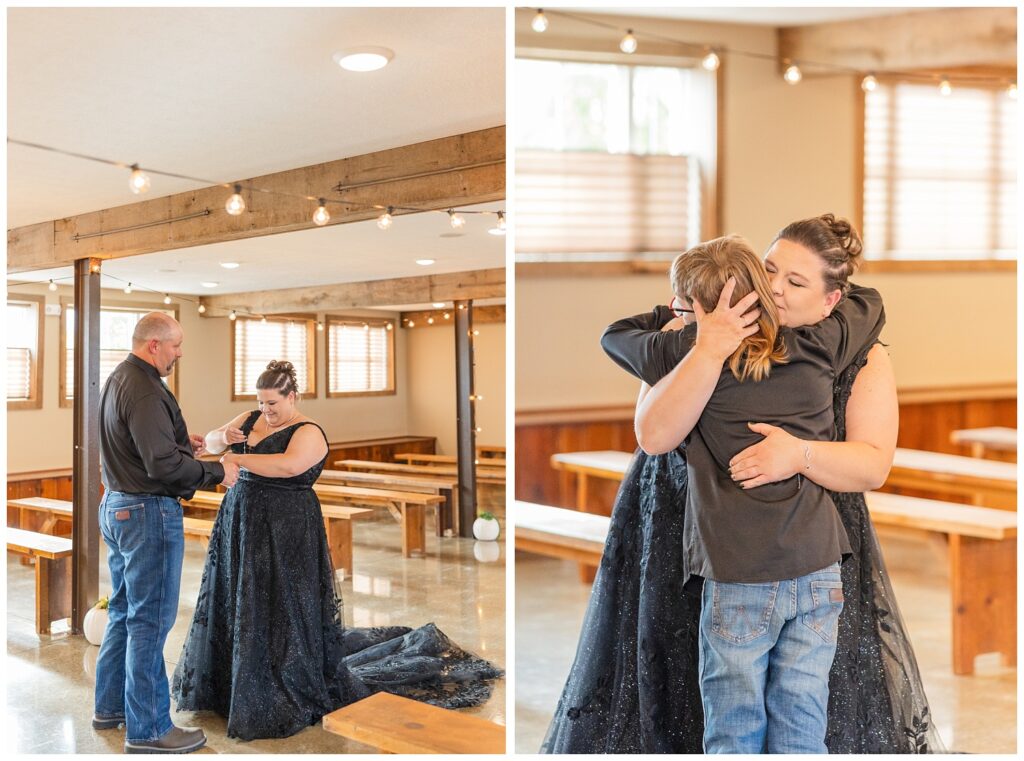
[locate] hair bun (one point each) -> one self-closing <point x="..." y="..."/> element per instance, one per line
<point x="281" y="366"/>
<point x="848" y="237"/>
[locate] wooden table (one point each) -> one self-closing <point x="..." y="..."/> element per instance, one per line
<point x="983" y="440"/>
<point x="52" y="509"/>
<point x="447" y="515"/>
<point x="608" y="464"/>
<point x="561" y="533"/>
<point x="412" y="458"/>
<point x="985" y="482"/>
<point x="399" y="725"/>
<point x="484" y="474"/>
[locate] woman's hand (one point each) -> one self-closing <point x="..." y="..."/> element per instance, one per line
<point x="776" y="458"/>
<point x="720" y="333"/>
<point x="234" y="435"/>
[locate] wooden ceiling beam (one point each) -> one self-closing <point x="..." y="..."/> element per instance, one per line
<point x="473" y="284"/>
<point x="460" y="170"/>
<point x="926" y="39"/>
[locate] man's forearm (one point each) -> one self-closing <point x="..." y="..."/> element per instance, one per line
<point x="673" y="406"/>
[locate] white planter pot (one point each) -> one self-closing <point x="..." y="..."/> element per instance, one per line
<point x="486" y="530"/>
<point x="95" y="625"/>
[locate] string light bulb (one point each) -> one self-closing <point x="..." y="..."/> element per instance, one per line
<point x="1011" y="91"/>
<point x="128" y="288"/>
<point x="321" y="217"/>
<point x="388" y="326"/>
<point x="202" y="309"/>
<point x="430" y="321"/>
<point x="945" y="88"/>
<point x="263" y="320"/>
<point x="869" y="83"/>
<point x="793" y="74"/>
<point x="167" y="298"/>
<point x="499" y="226"/>
<point x="628" y="44"/>
<point x="52" y="286"/>
<point x="540" y="21"/>
<point x="366" y="326"/>
<point x="711" y="61"/>
<point x="456" y="220"/>
<point x="320" y="326"/>
<point x="138" y="181"/>
<point x="385" y="220"/>
<point x="411" y="324"/>
<point x="235" y="204"/>
<point x="447" y="316"/>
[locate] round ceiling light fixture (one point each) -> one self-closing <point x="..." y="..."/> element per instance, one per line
<point x="363" y="58"/>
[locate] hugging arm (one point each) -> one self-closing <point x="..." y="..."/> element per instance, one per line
<point x="230" y="433"/>
<point x="854" y="324"/>
<point x="860" y="463"/>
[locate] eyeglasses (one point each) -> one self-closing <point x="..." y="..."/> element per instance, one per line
<point x="678" y="311"/>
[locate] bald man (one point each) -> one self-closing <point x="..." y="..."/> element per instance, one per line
<point x="149" y="464"/>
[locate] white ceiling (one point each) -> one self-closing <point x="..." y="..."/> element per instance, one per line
<point x="762" y="16"/>
<point x="229" y="93"/>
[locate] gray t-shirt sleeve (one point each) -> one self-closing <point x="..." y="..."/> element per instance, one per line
<point x="854" y="324"/>
<point x="639" y="346"/>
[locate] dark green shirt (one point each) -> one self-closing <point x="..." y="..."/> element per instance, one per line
<point x="781" y="530"/>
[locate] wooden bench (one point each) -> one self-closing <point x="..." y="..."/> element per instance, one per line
<point x="337" y="525"/>
<point x="53" y="573"/>
<point x="412" y="458"/>
<point x="985" y="482"/>
<point x="560" y="533"/>
<point x="446" y="514"/>
<point x="490" y="450"/>
<point x="408" y="508"/>
<point x="484" y="475"/>
<point x="395" y="724"/>
<point x="982" y="547"/>
<point x="983" y="441"/>
<point x="982" y="551"/>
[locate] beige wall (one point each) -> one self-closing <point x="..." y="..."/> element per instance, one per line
<point x="432" y="387"/>
<point x="787" y="152"/>
<point x="41" y="439"/>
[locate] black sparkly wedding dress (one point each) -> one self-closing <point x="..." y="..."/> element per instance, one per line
<point x="267" y="648"/>
<point x="634" y="685"/>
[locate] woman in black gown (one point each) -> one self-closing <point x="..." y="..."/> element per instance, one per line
<point x="634" y="684"/>
<point x="267" y="648"/>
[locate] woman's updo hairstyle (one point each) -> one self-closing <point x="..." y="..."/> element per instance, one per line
<point x="836" y="243"/>
<point x="279" y="375"/>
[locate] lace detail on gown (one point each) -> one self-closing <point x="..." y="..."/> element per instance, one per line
<point x="267" y="648"/>
<point x="634" y="684"/>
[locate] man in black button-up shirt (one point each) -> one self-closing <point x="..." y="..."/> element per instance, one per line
<point x="148" y="460"/>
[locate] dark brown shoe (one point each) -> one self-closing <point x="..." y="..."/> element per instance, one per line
<point x="178" y="740"/>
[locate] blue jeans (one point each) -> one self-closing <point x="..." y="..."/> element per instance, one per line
<point x="145" y="547"/>
<point x="765" y="655"/>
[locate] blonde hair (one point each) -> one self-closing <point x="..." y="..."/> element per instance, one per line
<point x="700" y="274"/>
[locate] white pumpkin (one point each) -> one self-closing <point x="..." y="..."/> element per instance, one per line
<point x="486" y="529"/>
<point x="95" y="625"/>
<point x="487" y="552"/>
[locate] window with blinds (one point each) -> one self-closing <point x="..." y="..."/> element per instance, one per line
<point x="360" y="357"/>
<point x="255" y="343"/>
<point x="939" y="173"/>
<point x="117" y="324"/>
<point x="612" y="161"/>
<point x="24" y="347"/>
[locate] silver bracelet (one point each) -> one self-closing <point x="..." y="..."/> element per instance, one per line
<point x="807" y="456"/>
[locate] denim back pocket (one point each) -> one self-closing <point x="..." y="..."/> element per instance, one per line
<point x="126" y="524"/>
<point x="741" y="613"/>
<point x="823" y="618"/>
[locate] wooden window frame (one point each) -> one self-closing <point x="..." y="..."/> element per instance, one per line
<point x="66" y="302"/>
<point x="35" y="384"/>
<point x="907" y="266"/>
<point x="311" y="354"/>
<point x="392" y="388"/>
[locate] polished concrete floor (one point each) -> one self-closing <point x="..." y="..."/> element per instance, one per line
<point x="50" y="678"/>
<point x="974" y="714"/>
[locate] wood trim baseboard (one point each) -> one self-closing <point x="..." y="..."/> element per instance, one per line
<point x="656" y="267"/>
<point x="574" y="415"/>
<point x="964" y="393"/>
<point x="33" y="475"/>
